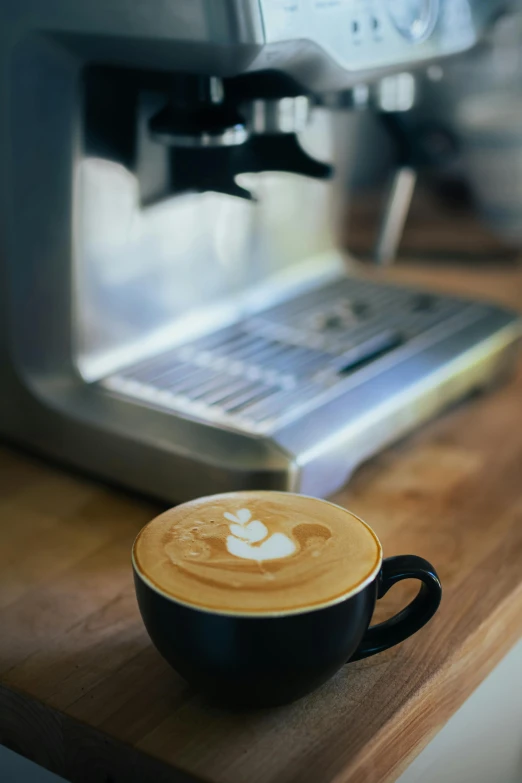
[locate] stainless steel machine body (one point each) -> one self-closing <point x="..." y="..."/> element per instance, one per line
<point x="174" y="315"/>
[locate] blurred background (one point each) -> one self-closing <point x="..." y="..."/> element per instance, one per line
<point x="462" y="138"/>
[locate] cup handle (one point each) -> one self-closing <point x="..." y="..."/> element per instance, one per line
<point x="414" y="616"/>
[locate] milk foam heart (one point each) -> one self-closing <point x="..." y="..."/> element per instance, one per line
<point x="275" y="547"/>
<point x="253" y="532"/>
<point x="257" y="552"/>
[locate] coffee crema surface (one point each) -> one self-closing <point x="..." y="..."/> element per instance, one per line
<point x="257" y="553"/>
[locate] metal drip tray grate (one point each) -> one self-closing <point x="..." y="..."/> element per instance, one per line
<point x="273" y="367"/>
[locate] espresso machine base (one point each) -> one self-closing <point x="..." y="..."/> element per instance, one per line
<point x="325" y="379"/>
<point x="292" y="397"/>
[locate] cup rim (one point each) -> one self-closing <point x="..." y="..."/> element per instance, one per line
<point x="354" y="590"/>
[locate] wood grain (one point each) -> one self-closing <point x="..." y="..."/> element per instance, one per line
<point x="83" y="693"/>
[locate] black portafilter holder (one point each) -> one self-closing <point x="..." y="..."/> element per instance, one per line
<point x="216" y="168"/>
<point x="210" y="139"/>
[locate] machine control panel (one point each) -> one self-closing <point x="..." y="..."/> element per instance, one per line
<point x="360" y="35"/>
<point x="414" y="19"/>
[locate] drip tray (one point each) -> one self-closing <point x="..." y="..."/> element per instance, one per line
<point x="272" y="368"/>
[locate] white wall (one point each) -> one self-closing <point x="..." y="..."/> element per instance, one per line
<point x="15" y="769"/>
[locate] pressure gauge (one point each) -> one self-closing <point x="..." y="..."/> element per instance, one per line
<point x="414" y="19"/>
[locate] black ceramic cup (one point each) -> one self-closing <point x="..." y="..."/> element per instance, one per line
<point x="271" y="660"/>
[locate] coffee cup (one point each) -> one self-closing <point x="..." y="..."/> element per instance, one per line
<point x="258" y="598"/>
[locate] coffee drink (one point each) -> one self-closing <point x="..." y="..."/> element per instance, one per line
<point x="257" y="598"/>
<point x="257" y="553"/>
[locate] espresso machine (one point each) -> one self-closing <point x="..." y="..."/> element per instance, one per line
<point x="175" y="313"/>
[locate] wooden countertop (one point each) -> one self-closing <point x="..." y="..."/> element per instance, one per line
<point x="83" y="692"/>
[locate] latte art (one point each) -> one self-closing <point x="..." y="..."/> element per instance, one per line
<point x="257" y="553"/>
<point x="251" y="540"/>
